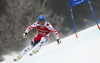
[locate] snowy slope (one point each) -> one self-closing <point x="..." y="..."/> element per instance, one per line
<point x="85" y="49"/>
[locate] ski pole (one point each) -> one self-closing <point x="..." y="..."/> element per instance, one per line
<point x="21" y="38"/>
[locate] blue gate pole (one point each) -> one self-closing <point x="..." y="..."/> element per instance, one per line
<point x="73" y="21"/>
<point x="93" y="14"/>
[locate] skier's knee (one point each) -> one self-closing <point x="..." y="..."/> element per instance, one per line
<point x="33" y="43"/>
<point x="44" y="39"/>
<point x="26" y="49"/>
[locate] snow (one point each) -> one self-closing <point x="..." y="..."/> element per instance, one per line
<point x="85" y="49"/>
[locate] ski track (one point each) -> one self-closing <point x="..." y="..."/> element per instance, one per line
<point x="85" y="49"/>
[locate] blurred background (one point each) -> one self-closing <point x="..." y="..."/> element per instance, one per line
<point x="17" y="15"/>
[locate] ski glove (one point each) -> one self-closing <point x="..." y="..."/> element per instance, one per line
<point x="25" y="34"/>
<point x="58" y="41"/>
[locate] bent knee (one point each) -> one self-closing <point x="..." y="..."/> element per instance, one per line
<point x="44" y="39"/>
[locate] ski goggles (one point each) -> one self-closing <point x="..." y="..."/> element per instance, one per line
<point x="42" y="20"/>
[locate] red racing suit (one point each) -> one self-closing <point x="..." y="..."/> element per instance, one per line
<point x="42" y="31"/>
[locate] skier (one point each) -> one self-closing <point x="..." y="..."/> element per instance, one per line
<point x="44" y="28"/>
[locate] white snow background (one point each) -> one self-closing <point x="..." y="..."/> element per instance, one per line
<point x="85" y="49"/>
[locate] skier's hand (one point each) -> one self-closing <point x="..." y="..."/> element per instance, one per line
<point x="25" y="34"/>
<point x="58" y="41"/>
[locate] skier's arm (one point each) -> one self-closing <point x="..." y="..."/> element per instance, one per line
<point x="28" y="29"/>
<point x="55" y="33"/>
<point x="31" y="27"/>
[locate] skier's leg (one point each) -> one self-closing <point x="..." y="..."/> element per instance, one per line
<point x="39" y="45"/>
<point x="23" y="52"/>
<point x="28" y="48"/>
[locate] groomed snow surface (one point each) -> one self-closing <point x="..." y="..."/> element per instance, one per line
<point x="85" y="49"/>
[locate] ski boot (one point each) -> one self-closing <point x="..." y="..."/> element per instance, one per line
<point x="33" y="52"/>
<point x="17" y="58"/>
